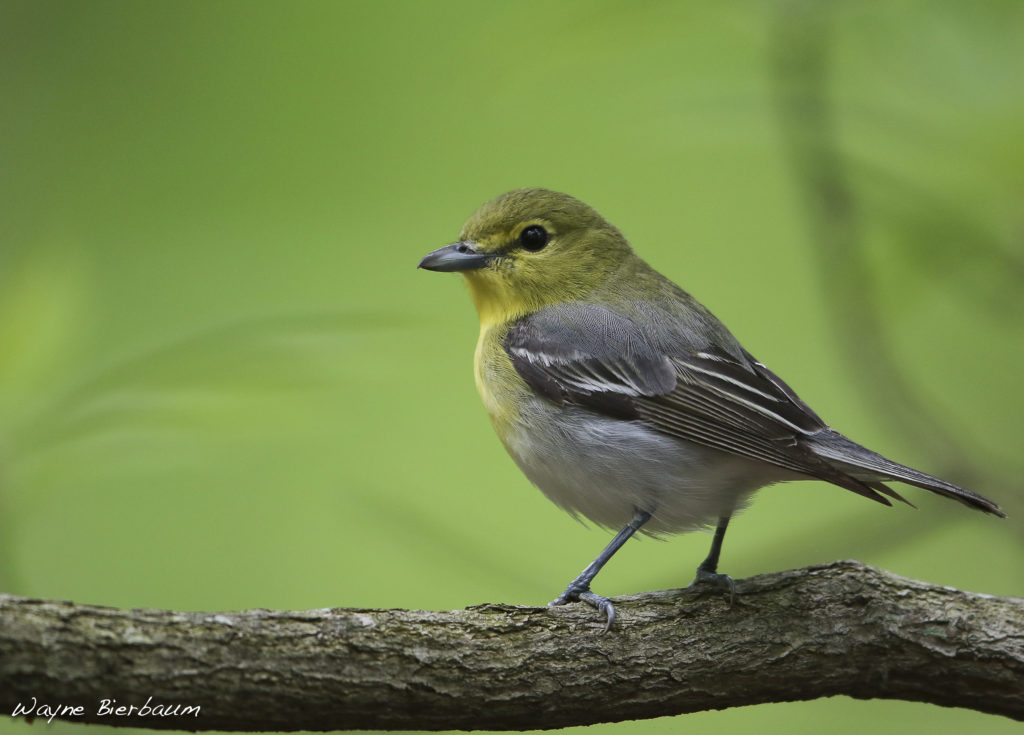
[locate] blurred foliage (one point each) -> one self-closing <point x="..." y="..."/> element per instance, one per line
<point x="223" y="384"/>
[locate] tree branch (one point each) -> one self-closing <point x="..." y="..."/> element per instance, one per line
<point x="841" y="628"/>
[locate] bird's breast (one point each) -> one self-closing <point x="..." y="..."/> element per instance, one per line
<point x="501" y="389"/>
<point x="604" y="468"/>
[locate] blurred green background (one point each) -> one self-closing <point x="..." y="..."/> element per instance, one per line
<point x="224" y="384"/>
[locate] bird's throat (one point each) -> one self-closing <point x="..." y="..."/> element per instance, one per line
<point x="496" y="302"/>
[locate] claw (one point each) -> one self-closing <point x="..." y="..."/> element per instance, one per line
<point x="603" y="604"/>
<point x="723" y="582"/>
<point x="579" y="588"/>
<point x="572" y="593"/>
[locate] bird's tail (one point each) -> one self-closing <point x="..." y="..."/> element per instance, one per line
<point x="872" y="469"/>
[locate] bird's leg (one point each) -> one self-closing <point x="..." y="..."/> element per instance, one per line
<point x="579" y="588"/>
<point x="708" y="569"/>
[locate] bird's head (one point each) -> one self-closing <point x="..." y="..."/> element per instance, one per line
<point x="530" y="248"/>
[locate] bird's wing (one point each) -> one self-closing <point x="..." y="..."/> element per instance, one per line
<point x="599" y="358"/>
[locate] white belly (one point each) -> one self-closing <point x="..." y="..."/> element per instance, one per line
<point x="605" y="469"/>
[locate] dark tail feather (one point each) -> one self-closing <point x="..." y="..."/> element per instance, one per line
<point x="886" y="490"/>
<point x="871" y="468"/>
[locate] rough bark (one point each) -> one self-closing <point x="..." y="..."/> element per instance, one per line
<point x="841" y="628"/>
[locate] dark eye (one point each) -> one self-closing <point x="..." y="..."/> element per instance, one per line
<point x="533" y="238"/>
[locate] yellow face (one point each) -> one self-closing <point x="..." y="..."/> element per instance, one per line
<point x="530" y="248"/>
<point x="526" y="256"/>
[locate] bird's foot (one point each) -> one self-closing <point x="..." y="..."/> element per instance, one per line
<point x="723" y="582"/>
<point x="575" y="592"/>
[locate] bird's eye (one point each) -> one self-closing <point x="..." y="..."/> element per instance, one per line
<point x="533" y="238"/>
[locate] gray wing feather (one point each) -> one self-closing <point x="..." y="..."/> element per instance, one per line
<point x="597" y="357"/>
<point x="714" y="394"/>
<point x="576" y="351"/>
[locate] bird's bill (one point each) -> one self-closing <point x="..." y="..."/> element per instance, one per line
<point x="459" y="256"/>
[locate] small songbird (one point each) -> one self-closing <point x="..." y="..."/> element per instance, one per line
<point x="625" y="400"/>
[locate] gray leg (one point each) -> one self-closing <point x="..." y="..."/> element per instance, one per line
<point x="579" y="588"/>
<point x="708" y="569"/>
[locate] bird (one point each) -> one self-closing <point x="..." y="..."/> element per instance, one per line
<point x="623" y="399"/>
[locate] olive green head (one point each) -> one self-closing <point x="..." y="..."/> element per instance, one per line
<point x="529" y="248"/>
